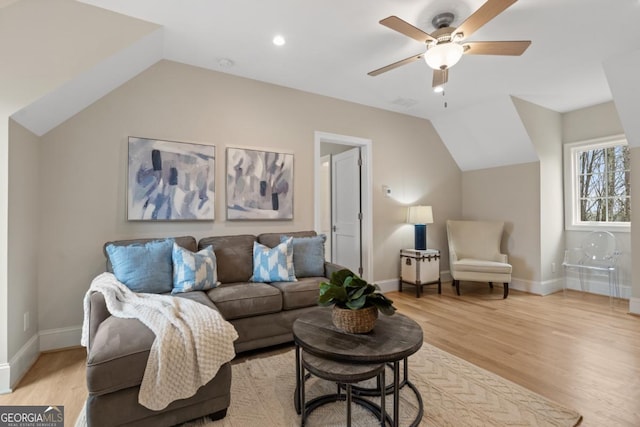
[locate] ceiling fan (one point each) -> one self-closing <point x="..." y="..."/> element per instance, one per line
<point x="445" y="46"/>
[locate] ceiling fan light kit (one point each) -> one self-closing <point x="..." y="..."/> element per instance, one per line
<point x="445" y="47"/>
<point x="443" y="55"/>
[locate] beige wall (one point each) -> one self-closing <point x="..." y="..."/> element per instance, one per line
<point x="23" y="235"/>
<point x="544" y="127"/>
<point x="84" y="160"/>
<point x="509" y="194"/>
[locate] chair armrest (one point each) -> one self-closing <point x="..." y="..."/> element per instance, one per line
<point x="98" y="313"/>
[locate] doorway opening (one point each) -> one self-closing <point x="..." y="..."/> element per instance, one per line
<point x="335" y="182"/>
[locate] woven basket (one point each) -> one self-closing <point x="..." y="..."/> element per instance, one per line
<point x="355" y="321"/>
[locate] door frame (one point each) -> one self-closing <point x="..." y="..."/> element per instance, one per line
<point x="366" y="192"/>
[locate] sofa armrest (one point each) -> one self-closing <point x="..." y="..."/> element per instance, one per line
<point x="503" y="258"/>
<point x="330" y="268"/>
<point x="98" y="313"/>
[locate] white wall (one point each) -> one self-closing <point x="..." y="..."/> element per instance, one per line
<point x="22" y="275"/>
<point x="84" y="162"/>
<point x="4" y="241"/>
<point x="43" y="45"/>
<point x="596" y="122"/>
<point x="544" y="127"/>
<point x="634" y="302"/>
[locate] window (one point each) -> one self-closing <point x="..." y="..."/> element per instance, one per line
<point x="597" y="184"/>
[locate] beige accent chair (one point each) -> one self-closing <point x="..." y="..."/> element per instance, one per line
<point x="474" y="253"/>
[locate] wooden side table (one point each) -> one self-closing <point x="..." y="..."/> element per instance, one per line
<point x="419" y="268"/>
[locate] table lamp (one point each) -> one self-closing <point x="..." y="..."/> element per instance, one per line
<point x="420" y="216"/>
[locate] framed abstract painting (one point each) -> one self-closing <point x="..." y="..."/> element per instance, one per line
<point x="170" y="181"/>
<point x="259" y="185"/>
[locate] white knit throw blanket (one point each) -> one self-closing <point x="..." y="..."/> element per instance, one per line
<point x="192" y="340"/>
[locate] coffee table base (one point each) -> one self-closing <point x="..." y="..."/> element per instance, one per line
<point x="338" y="397"/>
<point x="364" y="391"/>
<point x="357" y="392"/>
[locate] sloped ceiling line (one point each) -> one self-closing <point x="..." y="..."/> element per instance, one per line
<point x="81" y="91"/>
<point x="487" y="135"/>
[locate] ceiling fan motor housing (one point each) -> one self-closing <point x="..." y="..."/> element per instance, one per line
<point x="443" y="20"/>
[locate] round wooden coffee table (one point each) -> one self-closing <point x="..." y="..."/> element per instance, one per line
<point x="393" y="339"/>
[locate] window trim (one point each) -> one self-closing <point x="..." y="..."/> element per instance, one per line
<point x="571" y="203"/>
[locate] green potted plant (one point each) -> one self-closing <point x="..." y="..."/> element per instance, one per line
<point x="355" y="301"/>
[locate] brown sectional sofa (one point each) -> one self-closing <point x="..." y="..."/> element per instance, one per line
<point x="262" y="313"/>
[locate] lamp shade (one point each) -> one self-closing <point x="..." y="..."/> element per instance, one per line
<point x="420" y="215"/>
<point x="443" y="55"/>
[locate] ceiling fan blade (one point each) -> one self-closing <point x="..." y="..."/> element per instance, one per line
<point x="513" y="48"/>
<point x="486" y="13"/>
<point x="440" y="77"/>
<point x="407" y="29"/>
<point x="396" y="65"/>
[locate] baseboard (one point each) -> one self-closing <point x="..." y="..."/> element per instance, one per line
<point x="54" y="339"/>
<point x="634" y="305"/>
<point x="388" y="285"/>
<point x="24" y="359"/>
<point x="21" y="362"/>
<point x="546" y="287"/>
<point x="596" y="285"/>
<point x="11" y="373"/>
<point x="5" y="378"/>
<point x="391" y="285"/>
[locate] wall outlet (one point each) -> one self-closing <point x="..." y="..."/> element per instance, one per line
<point x="386" y="190"/>
<point x="26" y="321"/>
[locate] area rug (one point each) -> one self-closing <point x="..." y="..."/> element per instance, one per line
<point x="455" y="393"/>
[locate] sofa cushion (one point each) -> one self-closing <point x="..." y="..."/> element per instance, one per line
<point x="143" y="267"/>
<point x="273" y="264"/>
<point x="245" y="299"/>
<point x="308" y="255"/>
<point x="273" y="239"/>
<point x="234" y="255"/>
<point x="120" y="349"/>
<point x="193" y="271"/>
<point x="303" y="293"/>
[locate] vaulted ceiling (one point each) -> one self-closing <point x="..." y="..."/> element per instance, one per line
<point x="332" y="44"/>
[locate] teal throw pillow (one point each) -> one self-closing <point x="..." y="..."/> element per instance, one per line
<point x="308" y="255"/>
<point x="194" y="271"/>
<point x="143" y="267"/>
<point x="273" y="265"/>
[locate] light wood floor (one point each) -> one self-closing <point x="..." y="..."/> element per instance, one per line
<point x="575" y="350"/>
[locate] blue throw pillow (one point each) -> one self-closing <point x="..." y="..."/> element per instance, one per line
<point x="143" y="267"/>
<point x="308" y="255"/>
<point x="194" y="271"/>
<point x="273" y="265"/>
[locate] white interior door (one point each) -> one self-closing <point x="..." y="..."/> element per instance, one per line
<point x="345" y="210"/>
<point x="325" y="197"/>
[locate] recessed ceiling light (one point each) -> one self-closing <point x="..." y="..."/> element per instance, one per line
<point x="279" y="40"/>
<point x="225" y="62"/>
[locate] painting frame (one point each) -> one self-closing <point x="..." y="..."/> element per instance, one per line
<point x="259" y="184"/>
<point x="170" y="180"/>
